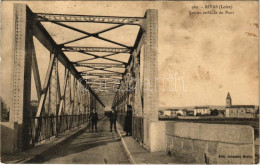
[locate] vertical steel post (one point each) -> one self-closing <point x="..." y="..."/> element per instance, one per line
<point x="150" y="72"/>
<point x="53" y="88"/>
<point x="137" y="87"/>
<point x="67" y="98"/>
<point x="21" y="73"/>
<point x="75" y="97"/>
<point x="53" y="96"/>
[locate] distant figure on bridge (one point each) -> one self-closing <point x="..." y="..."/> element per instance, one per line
<point x="128" y="121"/>
<point x="113" y="118"/>
<point x="94" y="119"/>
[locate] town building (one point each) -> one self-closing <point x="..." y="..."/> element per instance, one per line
<point x="182" y="112"/>
<point x="238" y="111"/>
<point x="201" y="111"/>
<point x="170" y="112"/>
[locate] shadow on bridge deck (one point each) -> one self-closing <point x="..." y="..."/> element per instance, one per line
<point x="89" y="148"/>
<point x="79" y="146"/>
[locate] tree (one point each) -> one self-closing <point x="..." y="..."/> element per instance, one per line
<point x="34" y="107"/>
<point x="4" y="111"/>
<point x="214" y="112"/>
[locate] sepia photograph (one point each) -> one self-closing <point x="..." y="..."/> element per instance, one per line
<point x="129" y="82"/>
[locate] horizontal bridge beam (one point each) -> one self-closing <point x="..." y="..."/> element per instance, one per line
<point x="106" y="80"/>
<point x="88" y="18"/>
<point x="103" y="91"/>
<point x="104" y="85"/>
<point x="101" y="74"/>
<point x="95" y="49"/>
<point x="104" y="95"/>
<point x="104" y="88"/>
<point x="102" y="82"/>
<point x="100" y="65"/>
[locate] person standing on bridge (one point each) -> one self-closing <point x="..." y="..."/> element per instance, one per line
<point x="113" y="118"/>
<point x="94" y="119"/>
<point x="128" y="121"/>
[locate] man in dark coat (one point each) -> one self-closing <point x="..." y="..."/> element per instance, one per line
<point x="128" y="121"/>
<point x="94" y="119"/>
<point x="112" y="119"/>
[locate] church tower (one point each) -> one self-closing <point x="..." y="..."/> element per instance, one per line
<point x="228" y="100"/>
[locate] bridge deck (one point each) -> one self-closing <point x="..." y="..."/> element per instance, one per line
<point x="89" y="148"/>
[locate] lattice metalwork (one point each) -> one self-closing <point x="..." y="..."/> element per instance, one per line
<point x="67" y="97"/>
<point x="88" y="18"/>
<point x="53" y="90"/>
<point x="74" y="107"/>
<point x="107" y="65"/>
<point x="101" y="74"/>
<point x="96" y="49"/>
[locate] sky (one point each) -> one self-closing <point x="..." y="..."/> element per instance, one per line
<point x="208" y="54"/>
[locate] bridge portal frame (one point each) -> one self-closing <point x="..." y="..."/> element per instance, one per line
<point x="27" y="25"/>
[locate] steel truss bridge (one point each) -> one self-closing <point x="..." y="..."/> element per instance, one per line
<point x="62" y="106"/>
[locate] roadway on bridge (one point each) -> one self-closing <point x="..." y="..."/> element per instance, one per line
<point x="102" y="147"/>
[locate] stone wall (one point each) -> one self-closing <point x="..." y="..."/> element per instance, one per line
<point x="210" y="143"/>
<point x="9" y="134"/>
<point x="157" y="134"/>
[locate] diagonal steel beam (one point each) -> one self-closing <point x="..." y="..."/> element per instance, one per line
<point x="77" y="39"/>
<point x="45" y="86"/>
<point x="102" y="69"/>
<point x="90" y="34"/>
<point x="140" y="39"/>
<point x="103" y="57"/>
<point x="96" y="57"/>
<point x="36" y="73"/>
<point x="46" y="40"/>
<point x="88" y="18"/>
<point x="100" y="32"/>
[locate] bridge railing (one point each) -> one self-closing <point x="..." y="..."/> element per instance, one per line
<point x="138" y="128"/>
<point x="121" y="118"/>
<point x="51" y="126"/>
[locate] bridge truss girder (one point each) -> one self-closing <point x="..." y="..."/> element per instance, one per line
<point x="51" y="101"/>
<point x="144" y="101"/>
<point x="72" y="99"/>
